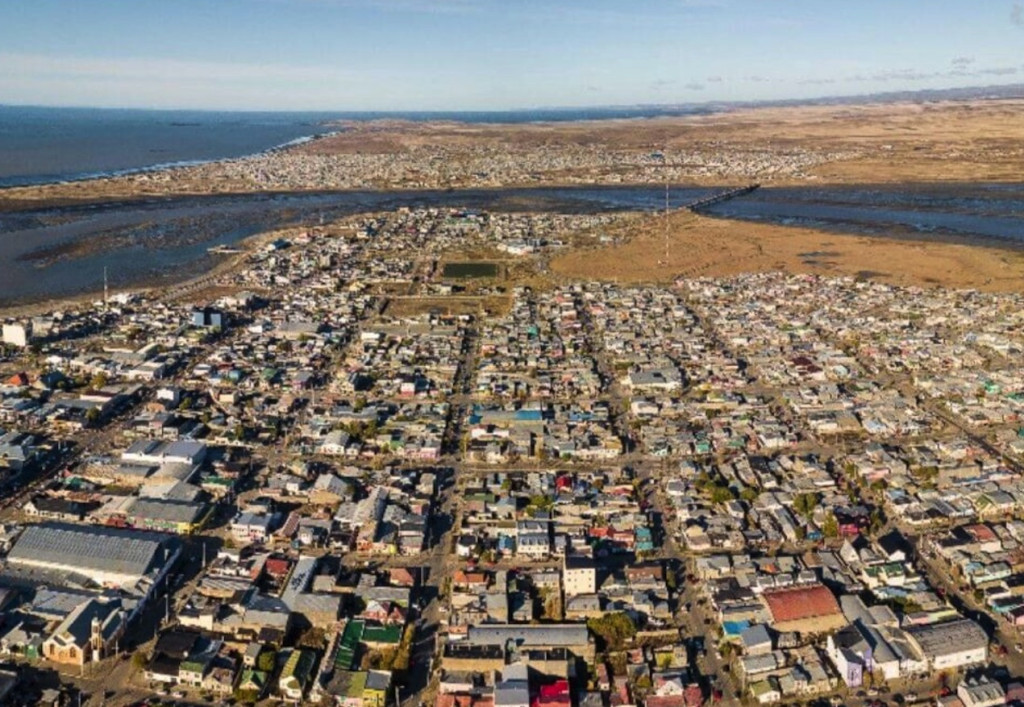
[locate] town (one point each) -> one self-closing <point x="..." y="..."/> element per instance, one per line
<point x="385" y="461"/>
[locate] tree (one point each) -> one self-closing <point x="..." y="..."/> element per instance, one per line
<point x="721" y="494"/>
<point x="749" y="494"/>
<point x="98" y="381"/>
<point x="830" y="528"/>
<point x="805" y="503"/>
<point x="139" y="660"/>
<point x="92" y="416"/>
<point x="615" y="629"/>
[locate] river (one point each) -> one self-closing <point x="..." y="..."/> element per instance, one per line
<point x="63" y="251"/>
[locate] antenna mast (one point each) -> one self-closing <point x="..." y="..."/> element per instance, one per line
<point x="666" y="218"/>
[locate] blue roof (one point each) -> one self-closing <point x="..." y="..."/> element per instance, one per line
<point x="735" y="628"/>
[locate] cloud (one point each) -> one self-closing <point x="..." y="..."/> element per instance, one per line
<point x="997" y="71"/>
<point x="1017" y="14"/>
<point x="757" y="79"/>
<point x="694" y="86"/>
<point x="714" y="79"/>
<point x="904" y="75"/>
<point x="962" y="62"/>
<point x="816" y="82"/>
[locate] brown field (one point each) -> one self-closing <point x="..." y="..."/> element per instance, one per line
<point x="921" y="142"/>
<point x="700" y="246"/>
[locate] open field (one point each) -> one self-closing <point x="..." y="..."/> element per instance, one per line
<point x="700" y="246"/>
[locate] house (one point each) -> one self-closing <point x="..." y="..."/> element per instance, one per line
<point x="295" y="675"/>
<point x="375" y="691"/>
<point x="579" y="575"/>
<point x="248" y="526"/>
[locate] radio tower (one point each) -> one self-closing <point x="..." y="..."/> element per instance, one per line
<point x="666" y="219"/>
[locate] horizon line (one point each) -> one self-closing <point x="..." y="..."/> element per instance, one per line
<point x="877" y="96"/>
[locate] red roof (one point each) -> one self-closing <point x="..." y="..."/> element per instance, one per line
<point x="277" y="567"/>
<point x="402" y="576"/>
<point x="799" y="603"/>
<point x="555" y="689"/>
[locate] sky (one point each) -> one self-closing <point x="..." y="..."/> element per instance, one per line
<point x="404" y="55"/>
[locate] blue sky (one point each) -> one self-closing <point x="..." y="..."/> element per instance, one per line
<point x="494" y="54"/>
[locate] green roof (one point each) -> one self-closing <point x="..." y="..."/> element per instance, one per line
<point x="382" y="634"/>
<point x="348" y="644"/>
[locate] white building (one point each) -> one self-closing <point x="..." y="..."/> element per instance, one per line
<point x="951" y="645"/>
<point x="981" y="692"/>
<point x="579" y="576"/>
<point x="18" y="334"/>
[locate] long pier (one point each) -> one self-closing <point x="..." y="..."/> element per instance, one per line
<point x="707" y="201"/>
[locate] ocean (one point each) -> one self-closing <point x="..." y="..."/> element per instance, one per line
<point x="43" y="145"/>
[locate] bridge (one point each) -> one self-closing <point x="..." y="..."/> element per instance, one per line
<point x="697" y="206"/>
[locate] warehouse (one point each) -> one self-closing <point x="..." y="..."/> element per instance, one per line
<point x="809" y="608"/>
<point x="110" y="556"/>
<point x="952" y="644"/>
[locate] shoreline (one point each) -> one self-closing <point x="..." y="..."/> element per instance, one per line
<point x="158" y="167"/>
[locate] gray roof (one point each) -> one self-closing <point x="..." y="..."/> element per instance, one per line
<point x="528" y="635"/>
<point x="85" y="548"/>
<point x="949" y="637"/>
<point x="169" y="511"/>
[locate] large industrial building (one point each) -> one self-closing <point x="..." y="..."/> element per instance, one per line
<point x="111" y="557"/>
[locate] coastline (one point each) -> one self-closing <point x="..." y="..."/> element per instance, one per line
<point x="155" y="168"/>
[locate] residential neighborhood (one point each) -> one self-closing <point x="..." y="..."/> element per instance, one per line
<point x="366" y="472"/>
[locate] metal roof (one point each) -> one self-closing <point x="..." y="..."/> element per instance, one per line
<point x="528" y="635"/>
<point x="85" y="549"/>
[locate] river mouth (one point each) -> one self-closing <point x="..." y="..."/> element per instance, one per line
<point x="63" y="251"/>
